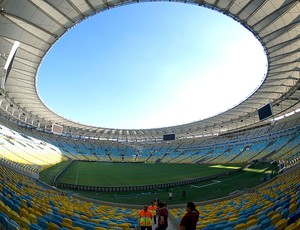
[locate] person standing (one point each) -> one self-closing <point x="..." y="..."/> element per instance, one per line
<point x="163" y="214"/>
<point x="190" y="219"/>
<point x="145" y="218"/>
<point x="170" y="195"/>
<point x="153" y="209"/>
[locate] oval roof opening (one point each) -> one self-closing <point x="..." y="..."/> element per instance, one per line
<point x="151" y="65"/>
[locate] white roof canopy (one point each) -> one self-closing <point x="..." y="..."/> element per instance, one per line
<point x="38" y="24"/>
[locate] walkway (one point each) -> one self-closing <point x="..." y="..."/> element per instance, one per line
<point x="170" y="226"/>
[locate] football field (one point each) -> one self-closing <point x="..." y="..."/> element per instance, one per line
<point x="134" y="174"/>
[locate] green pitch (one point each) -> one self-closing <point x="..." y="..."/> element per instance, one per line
<point x="126" y="174"/>
<point x="131" y="174"/>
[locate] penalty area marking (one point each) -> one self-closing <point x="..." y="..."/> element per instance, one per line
<point x="214" y="182"/>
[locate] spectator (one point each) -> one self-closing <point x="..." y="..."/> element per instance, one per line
<point x="153" y="209"/>
<point x="145" y="217"/>
<point x="190" y="219"/>
<point x="163" y="214"/>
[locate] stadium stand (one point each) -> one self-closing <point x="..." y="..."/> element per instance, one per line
<point x="276" y="204"/>
<point x="28" y="146"/>
<point x="29" y="204"/>
<point x="40" y="150"/>
<point x="32" y="204"/>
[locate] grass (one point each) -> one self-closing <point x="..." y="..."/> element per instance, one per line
<point x="48" y="175"/>
<point x="130" y="174"/>
<point x="125" y="174"/>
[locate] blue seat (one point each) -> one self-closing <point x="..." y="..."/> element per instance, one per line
<point x="210" y="226"/>
<point x="265" y="223"/>
<point x="294" y="217"/>
<point x="241" y="220"/>
<point x="3" y="221"/>
<point x="254" y="227"/>
<point x="47" y="218"/>
<point x="270" y="228"/>
<point x="220" y="226"/>
<point x="75" y="218"/>
<point x="42" y="222"/>
<point x="34" y="226"/>
<point x="89" y="227"/>
<point x="285" y="213"/>
<point x="50" y="215"/>
<point x="4" y="214"/>
<point x="12" y="225"/>
<point x="262" y="217"/>
<point x="79" y="223"/>
<point x="230" y="224"/>
<point x="102" y="225"/>
<point x="56" y="221"/>
<point x="268" y="210"/>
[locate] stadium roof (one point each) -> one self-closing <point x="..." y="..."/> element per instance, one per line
<point x="38" y="24"/>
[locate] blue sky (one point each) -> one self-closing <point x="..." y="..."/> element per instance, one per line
<point x="151" y="65"/>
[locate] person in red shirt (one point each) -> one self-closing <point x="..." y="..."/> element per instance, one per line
<point x="163" y="214"/>
<point x="190" y="219"/>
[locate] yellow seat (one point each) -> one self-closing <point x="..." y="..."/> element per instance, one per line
<point x="271" y="214"/>
<point x="124" y="226"/>
<point x="24" y="222"/>
<point x="1" y="205"/>
<point x="13" y="215"/>
<point x="83" y="217"/>
<point x="69" y="213"/>
<point x="30" y="210"/>
<point x="292" y="226"/>
<point x="251" y="222"/>
<point x="17" y="219"/>
<point x="233" y="219"/>
<point x="281" y="224"/>
<point x="252" y="217"/>
<point x="52" y="226"/>
<point x="100" y="228"/>
<point x="23" y="212"/>
<point x="240" y="226"/>
<point x="32" y="218"/>
<point x="23" y="203"/>
<point x="67" y="220"/>
<point x="293" y="208"/>
<point x="112" y="224"/>
<point x="67" y="225"/>
<point x="275" y="219"/>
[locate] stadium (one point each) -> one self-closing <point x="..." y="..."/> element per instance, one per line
<point x="240" y="167"/>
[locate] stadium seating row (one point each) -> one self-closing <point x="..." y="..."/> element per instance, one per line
<point x="26" y="203"/>
<point x="274" y="206"/>
<point x="32" y="205"/>
<point x="39" y="151"/>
